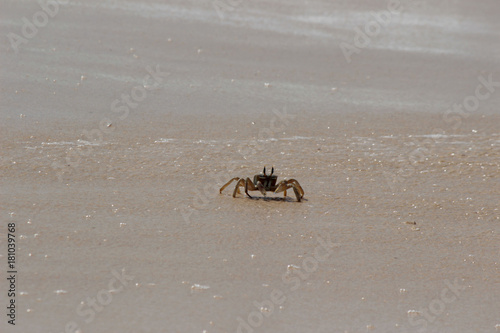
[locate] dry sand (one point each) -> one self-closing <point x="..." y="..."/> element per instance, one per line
<point x="119" y="223"/>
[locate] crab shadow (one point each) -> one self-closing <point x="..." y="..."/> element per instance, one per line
<point x="285" y="199"/>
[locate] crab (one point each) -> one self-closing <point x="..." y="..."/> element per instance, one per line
<point x="263" y="183"/>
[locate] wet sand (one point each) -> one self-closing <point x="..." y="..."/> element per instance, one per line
<point x="112" y="177"/>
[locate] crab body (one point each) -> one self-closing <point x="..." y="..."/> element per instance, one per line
<point x="263" y="183"/>
<point x="269" y="182"/>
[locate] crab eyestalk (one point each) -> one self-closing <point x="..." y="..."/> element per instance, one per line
<point x="264" y="172"/>
<point x="272" y="171"/>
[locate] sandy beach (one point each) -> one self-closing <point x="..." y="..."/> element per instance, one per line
<point x="121" y="120"/>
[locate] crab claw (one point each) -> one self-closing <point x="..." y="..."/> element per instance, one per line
<point x="261" y="188"/>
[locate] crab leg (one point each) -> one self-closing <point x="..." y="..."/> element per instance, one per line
<point x="297" y="193"/>
<point x="293" y="184"/>
<point x="250" y="186"/>
<point x="227" y="184"/>
<point x="241" y="182"/>
<point x="285" y="186"/>
<point x="297" y="185"/>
